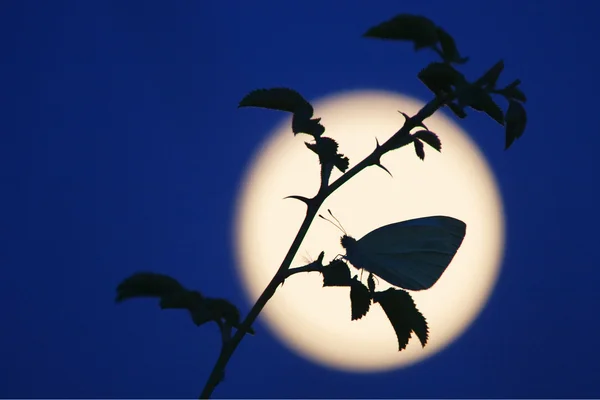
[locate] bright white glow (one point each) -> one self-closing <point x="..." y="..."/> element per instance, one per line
<point x="315" y="321"/>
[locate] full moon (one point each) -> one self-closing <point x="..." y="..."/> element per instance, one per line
<point x="314" y="321"/>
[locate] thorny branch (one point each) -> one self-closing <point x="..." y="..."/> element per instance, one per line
<point x="399" y="139"/>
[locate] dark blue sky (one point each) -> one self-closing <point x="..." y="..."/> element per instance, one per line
<point x="121" y="149"/>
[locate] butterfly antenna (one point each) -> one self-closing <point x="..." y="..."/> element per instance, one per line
<point x="337" y="220"/>
<point x="332" y="223"/>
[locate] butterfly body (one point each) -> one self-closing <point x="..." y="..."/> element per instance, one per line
<point x="410" y="254"/>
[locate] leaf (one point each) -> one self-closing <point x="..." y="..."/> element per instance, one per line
<point x="513" y="93"/>
<point x="419" y="325"/>
<point x="457" y="110"/>
<point x="148" y="284"/>
<point x="360" y="299"/>
<point x="419" y="149"/>
<point x="311" y="127"/>
<point x="489" y="106"/>
<point x="342" y="162"/>
<point x="449" y="50"/>
<point x="173" y="295"/>
<point x="480" y="100"/>
<point x="223" y="309"/>
<point x="440" y="77"/>
<point x="284" y="99"/>
<point x="404" y="316"/>
<point x="326" y="149"/>
<point x="430" y="138"/>
<point x="491" y="77"/>
<point x="336" y="273"/>
<point x="415" y="28"/>
<point x="516" y="120"/>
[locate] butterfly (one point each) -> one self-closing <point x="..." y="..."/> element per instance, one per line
<point x="411" y="254"/>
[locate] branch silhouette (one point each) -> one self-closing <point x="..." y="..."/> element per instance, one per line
<point x="450" y="89"/>
<point x="401" y="138"/>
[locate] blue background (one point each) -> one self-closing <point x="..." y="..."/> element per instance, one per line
<point x="121" y="149"/>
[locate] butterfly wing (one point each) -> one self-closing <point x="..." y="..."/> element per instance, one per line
<point x="411" y="254"/>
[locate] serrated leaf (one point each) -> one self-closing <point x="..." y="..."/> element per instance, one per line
<point x="309" y="126"/>
<point x="415" y="28"/>
<point x="360" y="299"/>
<point x="490" y="107"/>
<point x="419" y="326"/>
<point x="491" y="77"/>
<point x="440" y="77"/>
<point x="419" y="149"/>
<point x="336" y="273"/>
<point x="404" y="316"/>
<point x="430" y="138"/>
<point x="516" y="120"/>
<point x="285" y="99"/>
<point x="342" y="162"/>
<point x="449" y="50"/>
<point x="396" y="313"/>
<point x="326" y="148"/>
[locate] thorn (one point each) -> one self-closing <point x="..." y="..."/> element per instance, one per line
<point x="383" y="168"/>
<point x="405" y="115"/>
<point x="320" y="258"/>
<point x="302" y="199"/>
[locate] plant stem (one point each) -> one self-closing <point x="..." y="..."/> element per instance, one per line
<point x="401" y="138"/>
<point x="217" y="372"/>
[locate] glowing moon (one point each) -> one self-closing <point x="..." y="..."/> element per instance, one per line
<point x="315" y="321"/>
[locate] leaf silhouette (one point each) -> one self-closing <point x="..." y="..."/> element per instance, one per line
<point x="440" y="77"/>
<point x="415" y="28"/>
<point x="449" y="50"/>
<point x="516" y="119"/>
<point x="491" y="77"/>
<point x="513" y="93"/>
<point x="430" y="138"/>
<point x="457" y="110"/>
<point x="224" y="309"/>
<point x="480" y="100"/>
<point x="173" y="295"/>
<point x="284" y="99"/>
<point x="326" y="148"/>
<point x="336" y="273"/>
<point x="402" y="313"/>
<point x="360" y="299"/>
<point x="419" y="149"/>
